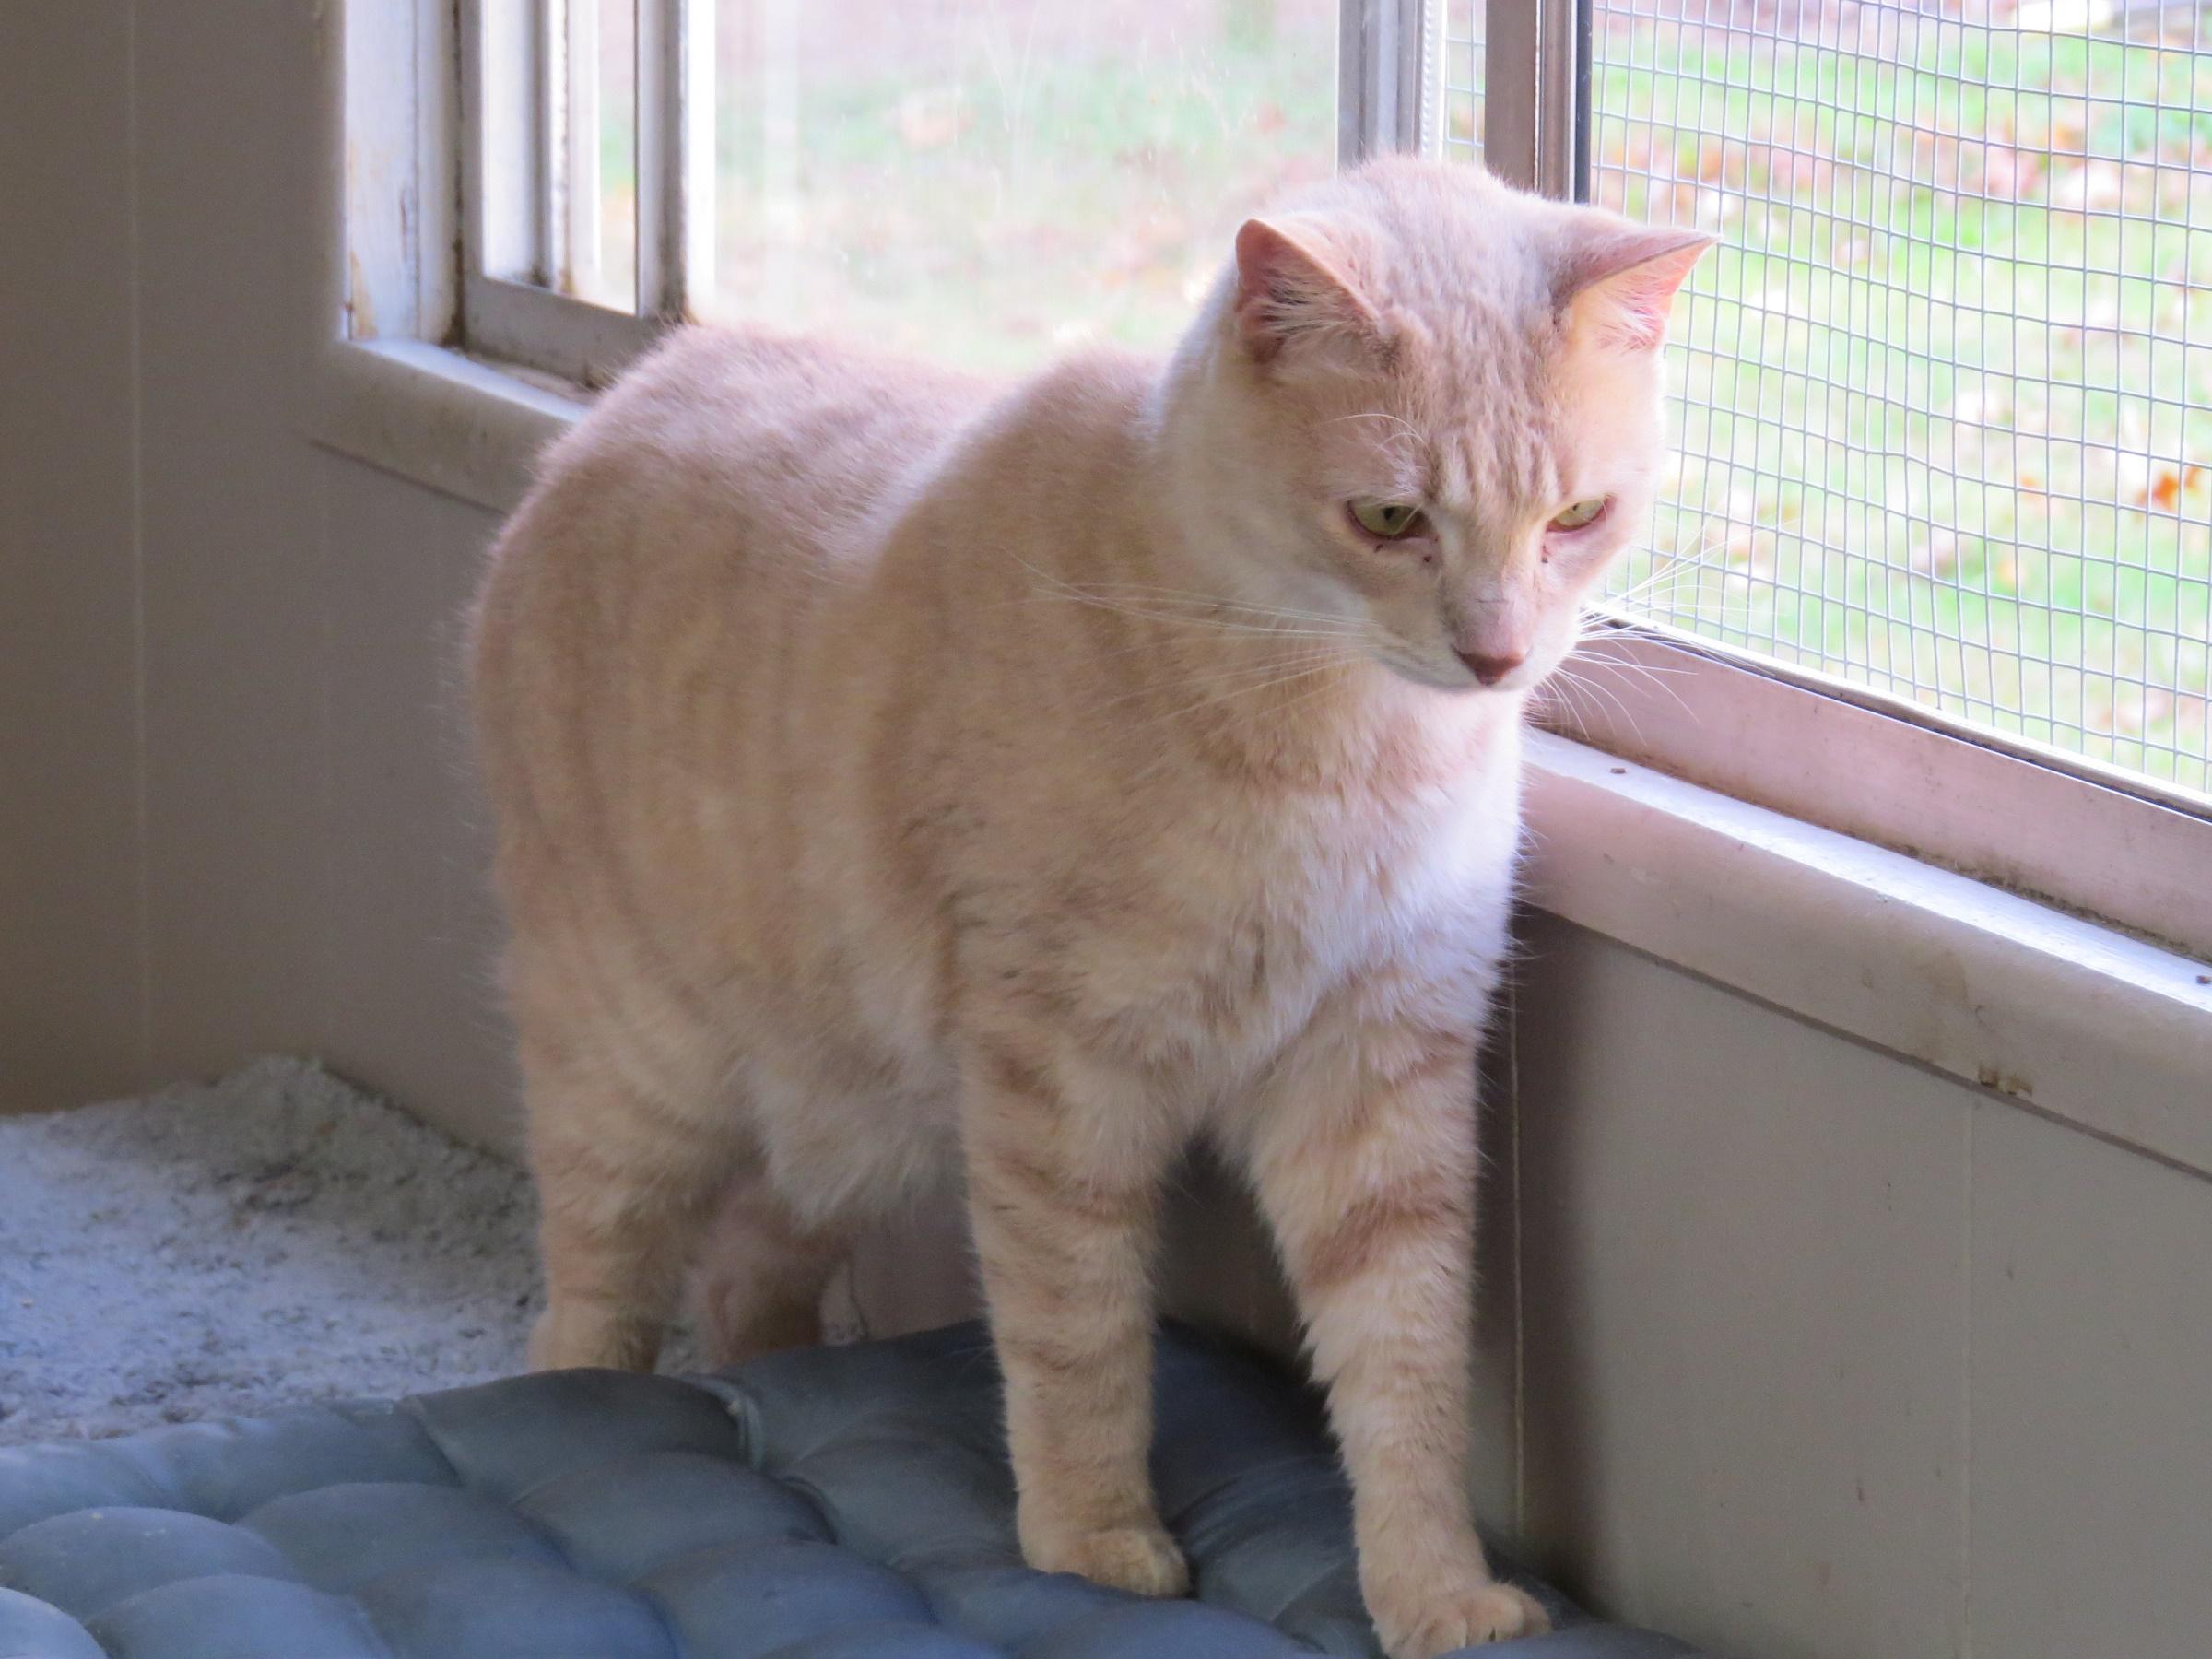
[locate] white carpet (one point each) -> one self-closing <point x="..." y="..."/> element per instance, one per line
<point x="223" y="1249"/>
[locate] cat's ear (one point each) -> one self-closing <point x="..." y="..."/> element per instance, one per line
<point x="1292" y="291"/>
<point x="1616" y="285"/>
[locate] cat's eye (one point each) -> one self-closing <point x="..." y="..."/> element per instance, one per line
<point x="1581" y="514"/>
<point x="1393" y="521"/>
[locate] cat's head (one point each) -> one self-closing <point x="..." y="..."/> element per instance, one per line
<point x="1429" y="406"/>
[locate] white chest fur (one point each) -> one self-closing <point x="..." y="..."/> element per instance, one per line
<point x="1255" y="922"/>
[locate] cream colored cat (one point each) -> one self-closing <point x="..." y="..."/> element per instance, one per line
<point x="895" y="774"/>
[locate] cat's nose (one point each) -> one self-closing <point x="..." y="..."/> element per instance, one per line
<point x="1489" y="670"/>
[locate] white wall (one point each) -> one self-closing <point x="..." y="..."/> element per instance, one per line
<point x="70" y="930"/>
<point x="1790" y="1345"/>
<point x="1829" y="1355"/>
<point x="236" y="818"/>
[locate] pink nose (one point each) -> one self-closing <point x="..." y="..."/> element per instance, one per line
<point x="1489" y="670"/>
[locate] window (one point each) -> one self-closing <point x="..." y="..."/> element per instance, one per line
<point x="587" y="177"/>
<point x="1946" y="389"/>
<point x="1934" y="564"/>
<point x="984" y="184"/>
<point x="1465" y="33"/>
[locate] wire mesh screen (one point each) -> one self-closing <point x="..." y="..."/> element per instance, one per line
<point x="1463" y="79"/>
<point x="1945" y="392"/>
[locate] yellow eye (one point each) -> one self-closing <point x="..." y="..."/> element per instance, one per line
<point x="1581" y="514"/>
<point x="1390" y="520"/>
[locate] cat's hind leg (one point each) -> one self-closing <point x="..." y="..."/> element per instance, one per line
<point x="761" y="1273"/>
<point x="626" y="1166"/>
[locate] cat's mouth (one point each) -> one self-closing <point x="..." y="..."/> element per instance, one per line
<point x="1492" y="671"/>
<point x="1456" y="674"/>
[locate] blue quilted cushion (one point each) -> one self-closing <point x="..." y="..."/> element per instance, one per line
<point x="834" y="1504"/>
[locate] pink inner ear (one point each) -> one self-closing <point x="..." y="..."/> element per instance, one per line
<point x="1286" y="289"/>
<point x="1623" y="280"/>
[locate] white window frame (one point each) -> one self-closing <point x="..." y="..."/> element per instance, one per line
<point x="529" y="83"/>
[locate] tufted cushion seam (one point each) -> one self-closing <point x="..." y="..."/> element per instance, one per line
<point x="1285" y="1603"/>
<point x="818" y="1499"/>
<point x="639" y="1577"/>
<point x="560" y="1551"/>
<point x="537" y="1486"/>
<point x="389" y="1619"/>
<point x="1292" y="1460"/>
<point x="660" y="1617"/>
<point x="921" y="1559"/>
<point x="411" y="1407"/>
<point x="116" y="1621"/>
<point x="536" y="1528"/>
<point x="173" y="1507"/>
<point x="743" y="1410"/>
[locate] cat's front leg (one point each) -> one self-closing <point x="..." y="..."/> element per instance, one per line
<point x="1064" y="1174"/>
<point x="1365" y="1163"/>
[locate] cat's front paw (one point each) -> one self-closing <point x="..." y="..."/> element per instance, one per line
<point x="1141" y="1559"/>
<point x="1419" y="1623"/>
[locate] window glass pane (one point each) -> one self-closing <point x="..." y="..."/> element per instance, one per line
<point x="616" y="154"/>
<point x="1944" y="395"/>
<point x="1463" y="77"/>
<point x="989" y="183"/>
<point x="593" y="63"/>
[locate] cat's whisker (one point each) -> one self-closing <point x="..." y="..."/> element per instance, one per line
<point x="1674" y="596"/>
<point x="1281" y="631"/>
<point x="1611" y="695"/>
<point x="1200" y="609"/>
<point x="1577" y="709"/>
<point x="1559" y="697"/>
<point x="1700" y="575"/>
<point x="1210" y="600"/>
<point x="1668" y="593"/>
<point x="1336" y="628"/>
<point x="1586" y="653"/>
<point x="1397" y="420"/>
<point x="1244" y="723"/>
<point x="819" y="573"/>
<point x="1596" y="634"/>
<point x="1711" y="534"/>
<point x="1153" y="645"/>
<point x="1674" y="572"/>
<point x="1219" y="626"/>
<point x="1403" y="434"/>
<point x="1280" y="709"/>
<point x="1333" y="660"/>
<point x="1198" y="606"/>
<point x="1548" y="707"/>
<point x="1595" y="690"/>
<point x="1591" y="656"/>
<point x="1292" y="702"/>
<point x="1718" y="614"/>
<point x="1650" y="674"/>
<point x="1258" y="673"/>
<point x="1680" y="595"/>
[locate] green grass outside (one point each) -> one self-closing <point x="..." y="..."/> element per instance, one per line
<point x="991" y="218"/>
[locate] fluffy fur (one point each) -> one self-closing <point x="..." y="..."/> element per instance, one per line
<point x="897" y="775"/>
